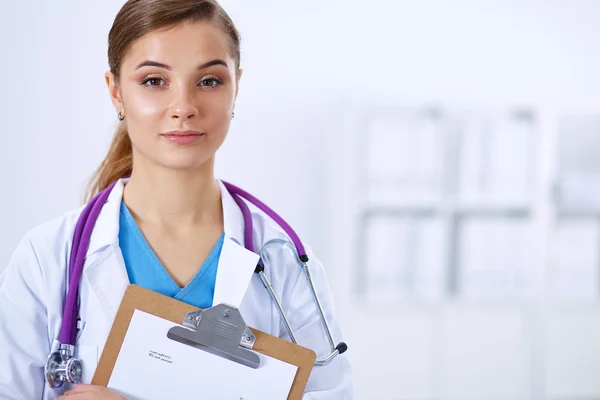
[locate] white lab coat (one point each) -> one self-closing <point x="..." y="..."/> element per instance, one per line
<point x="32" y="293"/>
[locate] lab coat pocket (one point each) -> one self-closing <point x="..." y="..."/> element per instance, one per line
<point x="88" y="354"/>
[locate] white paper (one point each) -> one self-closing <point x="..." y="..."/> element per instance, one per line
<point x="151" y="366"/>
<point x="495" y="256"/>
<point x="511" y="166"/>
<point x="404" y="158"/>
<point x="474" y="156"/>
<point x="496" y="158"/>
<point x="404" y="258"/>
<point x="431" y="253"/>
<point x="385" y="246"/>
<point x="235" y="260"/>
<point x="575" y="258"/>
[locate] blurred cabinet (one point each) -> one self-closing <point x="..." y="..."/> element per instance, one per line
<point x="576" y="238"/>
<point x="496" y="157"/>
<point x="406" y="256"/>
<point x="576" y="258"/>
<point x="442" y="197"/>
<point x="404" y="158"/>
<point x="577" y="189"/>
<point x="470" y="238"/>
<point x="495" y="257"/>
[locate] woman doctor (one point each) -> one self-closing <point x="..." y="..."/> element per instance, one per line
<point x="174" y="78"/>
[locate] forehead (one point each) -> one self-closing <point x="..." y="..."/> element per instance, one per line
<point x="181" y="46"/>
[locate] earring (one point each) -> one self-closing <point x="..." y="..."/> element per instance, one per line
<point x="232" y="115"/>
<point x="120" y="116"/>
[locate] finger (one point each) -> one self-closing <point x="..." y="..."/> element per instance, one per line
<point x="70" y="396"/>
<point x="82" y="388"/>
<point x="76" y="396"/>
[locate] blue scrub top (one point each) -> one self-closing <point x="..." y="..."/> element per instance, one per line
<point x="145" y="269"/>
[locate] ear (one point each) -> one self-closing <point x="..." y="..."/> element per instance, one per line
<point x="113" y="91"/>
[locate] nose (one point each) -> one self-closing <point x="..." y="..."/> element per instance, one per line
<point x="182" y="107"/>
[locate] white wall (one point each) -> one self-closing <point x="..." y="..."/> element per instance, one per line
<point x="301" y="59"/>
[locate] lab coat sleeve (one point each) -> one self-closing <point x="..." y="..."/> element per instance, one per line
<point x="24" y="342"/>
<point x="333" y="381"/>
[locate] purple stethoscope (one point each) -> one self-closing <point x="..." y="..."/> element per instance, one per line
<point x="62" y="366"/>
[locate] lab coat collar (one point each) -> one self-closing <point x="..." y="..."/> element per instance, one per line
<point x="106" y="229"/>
<point x="233" y="219"/>
<point x="105" y="269"/>
<point x="236" y="264"/>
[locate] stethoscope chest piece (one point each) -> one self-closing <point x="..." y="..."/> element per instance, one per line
<point x="62" y="367"/>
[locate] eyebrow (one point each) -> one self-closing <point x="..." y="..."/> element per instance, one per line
<point x="150" y="63"/>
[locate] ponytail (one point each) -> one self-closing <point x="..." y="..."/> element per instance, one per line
<point x="117" y="164"/>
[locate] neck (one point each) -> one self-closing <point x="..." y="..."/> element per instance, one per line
<point x="175" y="199"/>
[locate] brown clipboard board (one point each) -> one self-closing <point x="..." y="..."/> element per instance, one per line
<point x="139" y="298"/>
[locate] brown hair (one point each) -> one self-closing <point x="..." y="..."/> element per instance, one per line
<point x="135" y="19"/>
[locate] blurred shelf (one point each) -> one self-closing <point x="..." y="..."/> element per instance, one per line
<point x="592" y="214"/>
<point x="557" y="304"/>
<point x="509" y="210"/>
<point x="494" y="209"/>
<point x="387" y="308"/>
<point x="400" y="210"/>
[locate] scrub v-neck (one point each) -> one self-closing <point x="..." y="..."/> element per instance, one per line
<point x="145" y="269"/>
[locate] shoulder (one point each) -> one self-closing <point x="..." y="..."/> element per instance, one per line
<point x="55" y="229"/>
<point x="39" y="262"/>
<point x="51" y="240"/>
<point x="267" y="232"/>
<point x="265" y="227"/>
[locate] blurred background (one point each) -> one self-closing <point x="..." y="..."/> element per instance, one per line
<point x="442" y="159"/>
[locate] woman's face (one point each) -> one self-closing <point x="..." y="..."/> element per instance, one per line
<point x="177" y="90"/>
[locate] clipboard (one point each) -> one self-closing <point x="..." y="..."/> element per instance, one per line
<point x="139" y="298"/>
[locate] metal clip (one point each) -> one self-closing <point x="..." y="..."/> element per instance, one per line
<point x="218" y="330"/>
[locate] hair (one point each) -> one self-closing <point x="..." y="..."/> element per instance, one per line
<point x="135" y="19"/>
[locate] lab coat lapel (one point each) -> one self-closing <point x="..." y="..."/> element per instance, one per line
<point x="236" y="264"/>
<point x="107" y="277"/>
<point x="104" y="267"/>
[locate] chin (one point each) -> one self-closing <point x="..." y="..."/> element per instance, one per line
<point x="184" y="163"/>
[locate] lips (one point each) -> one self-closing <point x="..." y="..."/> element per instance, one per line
<point x="183" y="137"/>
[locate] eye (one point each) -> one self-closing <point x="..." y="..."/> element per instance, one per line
<point x="153" y="81"/>
<point x="210" y="82"/>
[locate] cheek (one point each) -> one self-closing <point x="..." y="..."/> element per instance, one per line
<point x="145" y="104"/>
<point x="216" y="108"/>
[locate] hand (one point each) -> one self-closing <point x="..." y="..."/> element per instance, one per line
<point x="90" y="392"/>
